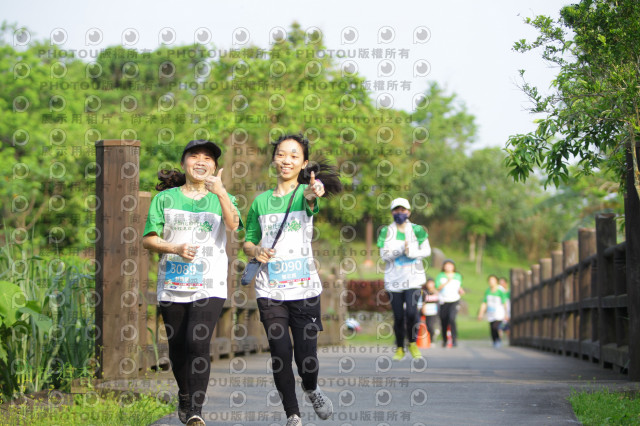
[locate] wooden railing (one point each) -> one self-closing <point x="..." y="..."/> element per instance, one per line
<point x="577" y="302"/>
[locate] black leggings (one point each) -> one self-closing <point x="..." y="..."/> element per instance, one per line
<point x="448" y="312"/>
<point x="189" y="330"/>
<point x="304" y="350"/>
<point x="405" y="317"/>
<point x="430" y="320"/>
<point x="495" y="330"/>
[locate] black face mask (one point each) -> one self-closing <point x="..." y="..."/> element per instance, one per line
<point x="400" y="218"/>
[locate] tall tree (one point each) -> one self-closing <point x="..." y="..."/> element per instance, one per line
<point x="592" y="114"/>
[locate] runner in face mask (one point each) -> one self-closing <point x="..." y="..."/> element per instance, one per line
<point x="403" y="245"/>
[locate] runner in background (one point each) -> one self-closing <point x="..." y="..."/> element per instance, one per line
<point x="504" y="327"/>
<point x="403" y="245"/>
<point x="430" y="299"/>
<point x="449" y="285"/>
<point x="495" y="305"/>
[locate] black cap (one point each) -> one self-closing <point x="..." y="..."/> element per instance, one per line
<point x="204" y="143"/>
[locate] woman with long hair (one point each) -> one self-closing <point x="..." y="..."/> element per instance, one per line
<point x="287" y="285"/>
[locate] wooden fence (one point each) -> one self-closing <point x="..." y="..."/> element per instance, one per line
<point x="576" y="302"/>
<point x="584" y="300"/>
<point x="131" y="335"/>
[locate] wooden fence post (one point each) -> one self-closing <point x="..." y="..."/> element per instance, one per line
<point x="569" y="298"/>
<point x="146" y="354"/>
<point x="516" y="291"/>
<point x="586" y="248"/>
<point x="632" y="235"/>
<point x="528" y="310"/>
<point x="536" y="319"/>
<point x="543" y="295"/>
<point x="606" y="325"/>
<point x="117" y="278"/>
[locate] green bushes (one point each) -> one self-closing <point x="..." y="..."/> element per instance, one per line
<point x="47" y="331"/>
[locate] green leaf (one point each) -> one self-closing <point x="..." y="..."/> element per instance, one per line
<point x="11" y="300"/>
<point x="43" y="322"/>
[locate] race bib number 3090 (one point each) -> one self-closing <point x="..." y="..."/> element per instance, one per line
<point x="286" y="272"/>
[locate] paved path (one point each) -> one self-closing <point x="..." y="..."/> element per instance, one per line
<point x="471" y="384"/>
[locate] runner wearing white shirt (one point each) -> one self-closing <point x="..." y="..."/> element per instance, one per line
<point x="495" y="305"/>
<point x="403" y="245"/>
<point x="287" y="285"/>
<point x="449" y="284"/>
<point x="187" y="225"/>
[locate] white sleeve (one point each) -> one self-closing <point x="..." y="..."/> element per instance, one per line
<point x="421" y="251"/>
<point x="387" y="254"/>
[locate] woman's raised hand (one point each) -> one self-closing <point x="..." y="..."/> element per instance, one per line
<point x="315" y="188"/>
<point x="214" y="184"/>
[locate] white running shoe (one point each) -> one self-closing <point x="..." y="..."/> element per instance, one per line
<point x="294" y="420"/>
<point x="195" y="420"/>
<point x="322" y="405"/>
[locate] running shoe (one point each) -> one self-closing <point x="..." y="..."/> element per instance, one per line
<point x="322" y="405"/>
<point x="195" y="420"/>
<point x="414" y="350"/>
<point x="294" y="420"/>
<point x="398" y="355"/>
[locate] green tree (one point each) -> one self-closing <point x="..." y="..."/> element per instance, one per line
<point x="592" y="114"/>
<point x="441" y="134"/>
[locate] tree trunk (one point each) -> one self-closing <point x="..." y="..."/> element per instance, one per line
<point x="472" y="246"/>
<point x="369" y="241"/>
<point x="481" y="242"/>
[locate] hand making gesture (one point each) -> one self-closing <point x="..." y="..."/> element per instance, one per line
<point x="214" y="184"/>
<point x="315" y="188"/>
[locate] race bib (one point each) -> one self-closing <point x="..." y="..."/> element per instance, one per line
<point x="430" y="309"/>
<point x="183" y="276"/>
<point x="405" y="261"/>
<point x="286" y="273"/>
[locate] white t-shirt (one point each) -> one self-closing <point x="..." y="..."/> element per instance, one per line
<point x="451" y="292"/>
<point x="291" y="274"/>
<point x="495" y="301"/>
<point x="179" y="219"/>
<point x="403" y="271"/>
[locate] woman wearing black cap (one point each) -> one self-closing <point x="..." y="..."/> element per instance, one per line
<point x="187" y="225"/>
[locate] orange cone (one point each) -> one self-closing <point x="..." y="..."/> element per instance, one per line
<point x="424" y="339"/>
<point x="449" y="338"/>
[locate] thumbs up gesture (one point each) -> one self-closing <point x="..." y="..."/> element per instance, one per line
<point x="214" y="184"/>
<point x="315" y="188"/>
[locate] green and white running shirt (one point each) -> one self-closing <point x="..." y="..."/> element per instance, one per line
<point x="291" y="274"/>
<point x="495" y="301"/>
<point x="179" y="219"/>
<point x="403" y="271"/>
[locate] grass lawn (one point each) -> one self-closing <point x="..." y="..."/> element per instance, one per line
<point x="603" y="407"/>
<point x="87" y="409"/>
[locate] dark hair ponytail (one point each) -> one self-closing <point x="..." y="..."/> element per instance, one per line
<point x="322" y="169"/>
<point x="325" y="172"/>
<point x="170" y="179"/>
